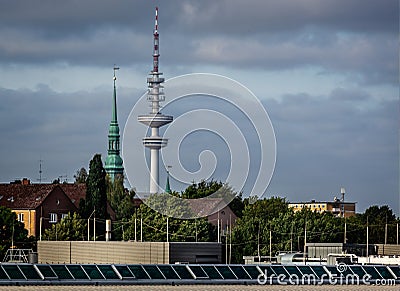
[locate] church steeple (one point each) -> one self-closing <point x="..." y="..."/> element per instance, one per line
<point x="167" y="186"/>
<point x="113" y="164"/>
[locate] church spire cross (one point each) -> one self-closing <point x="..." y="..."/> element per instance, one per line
<point x="114" y="109"/>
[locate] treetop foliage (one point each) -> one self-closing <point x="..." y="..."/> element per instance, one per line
<point x="96" y="196"/>
<point x="71" y="227"/>
<point x="11" y="230"/>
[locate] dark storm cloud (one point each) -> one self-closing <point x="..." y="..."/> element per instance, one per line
<point x="62" y="129"/>
<point x="346" y="138"/>
<point x="202" y="16"/>
<point x="257" y="17"/>
<point x="360" y="36"/>
<point x="326" y="142"/>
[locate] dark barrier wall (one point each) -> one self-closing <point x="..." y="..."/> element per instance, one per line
<point x="195" y="253"/>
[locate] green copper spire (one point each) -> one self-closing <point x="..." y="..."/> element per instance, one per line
<point x="113" y="164"/>
<point x="167" y="186"/>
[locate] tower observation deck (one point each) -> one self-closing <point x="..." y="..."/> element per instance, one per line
<point x="155" y="119"/>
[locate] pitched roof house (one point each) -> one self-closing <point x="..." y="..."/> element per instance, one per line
<point x="44" y="204"/>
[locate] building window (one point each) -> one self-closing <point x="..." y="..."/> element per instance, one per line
<point x="53" y="217"/>
<point x="20" y="217"/>
<point x="64" y="215"/>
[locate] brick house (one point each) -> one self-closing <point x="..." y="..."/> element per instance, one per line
<point x="41" y="203"/>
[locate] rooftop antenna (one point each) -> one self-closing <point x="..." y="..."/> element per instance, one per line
<point x="40" y="171"/>
<point x="342" y="191"/>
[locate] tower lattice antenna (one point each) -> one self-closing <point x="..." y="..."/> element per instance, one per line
<point x="156" y="52"/>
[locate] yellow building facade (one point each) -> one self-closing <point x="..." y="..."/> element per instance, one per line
<point x="28" y="218"/>
<point x="338" y="208"/>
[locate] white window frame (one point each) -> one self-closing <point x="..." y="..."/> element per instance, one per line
<point x="20" y="217"/>
<point x="53" y="218"/>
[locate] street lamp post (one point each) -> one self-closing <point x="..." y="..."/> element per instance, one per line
<point x="88" y="226"/>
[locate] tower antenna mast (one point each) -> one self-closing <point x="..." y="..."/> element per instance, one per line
<point x="155" y="119"/>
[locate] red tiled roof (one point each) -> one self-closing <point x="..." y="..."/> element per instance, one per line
<point x="18" y="196"/>
<point x="75" y="192"/>
<point x="206" y="205"/>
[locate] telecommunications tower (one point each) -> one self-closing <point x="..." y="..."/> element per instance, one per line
<point x="155" y="119"/>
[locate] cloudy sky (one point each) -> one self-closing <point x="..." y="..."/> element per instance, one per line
<point x="327" y="73"/>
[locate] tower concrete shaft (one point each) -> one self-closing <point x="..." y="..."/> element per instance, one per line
<point x="155" y="119"/>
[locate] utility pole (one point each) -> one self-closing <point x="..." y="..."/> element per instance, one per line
<point x="291" y="239"/>
<point x="386" y="230"/>
<point x="141" y="227"/>
<point x="88" y="225"/>
<point x="167" y="230"/>
<point x="218" y="231"/>
<point x="195" y="224"/>
<point x="258" y="243"/>
<point x="40" y="228"/>
<point x="12" y="236"/>
<point x="94" y="225"/>
<point x="367" y="238"/>
<point x="230" y="237"/>
<point x="270" y="244"/>
<point x="226" y="243"/>
<point x="305" y="240"/>
<point x="135" y="226"/>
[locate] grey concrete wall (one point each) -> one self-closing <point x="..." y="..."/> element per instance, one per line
<point x="388" y="250"/>
<point x="103" y="252"/>
<point x="54" y="251"/>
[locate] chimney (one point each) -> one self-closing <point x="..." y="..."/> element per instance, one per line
<point x="26" y="181"/>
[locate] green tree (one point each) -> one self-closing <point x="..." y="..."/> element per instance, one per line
<point x="376" y="217"/>
<point x="71" y="227"/>
<point x="120" y="199"/>
<point x="11" y="230"/>
<point x="214" y="189"/>
<point x="155" y="222"/>
<point x="96" y="196"/>
<point x="81" y="176"/>
<point x="289" y="229"/>
<point x="250" y="235"/>
<point x="271" y="217"/>
<point x="201" y="189"/>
